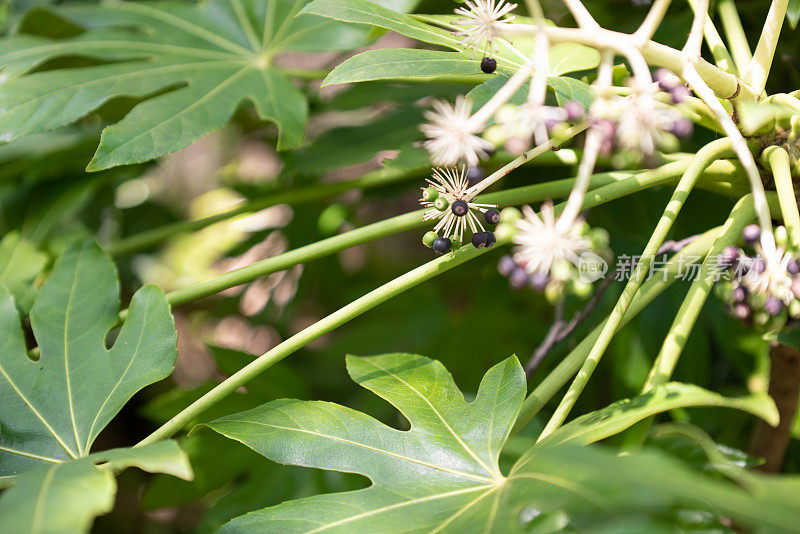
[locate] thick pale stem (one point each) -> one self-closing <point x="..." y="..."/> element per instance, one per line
<point x="734" y="32"/>
<point x="678" y="335"/>
<point x="581" y="14"/>
<point x="715" y="43"/>
<point x="695" y="39"/>
<point x="527" y="156"/>
<point x="705" y="156"/>
<point x="779" y="162"/>
<point x="740" y="147"/>
<point x="573" y="361"/>
<point x="509" y="89"/>
<point x="651" y="22"/>
<point x="758" y="70"/>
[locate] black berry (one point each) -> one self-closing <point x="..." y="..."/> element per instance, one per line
<point x="459" y="208"/>
<point x="488" y="65"/>
<point x="492" y="216"/>
<point x="442" y="245"/>
<point x="480" y="240"/>
<point x="490" y="238"/>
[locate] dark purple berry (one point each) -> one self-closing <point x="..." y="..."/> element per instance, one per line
<point x="539" y="281"/>
<point x="475" y="174"/>
<point x="480" y="240"/>
<point x="679" y="93"/>
<point x="490" y="238"/>
<point x="459" y="208"/>
<point x="575" y="110"/>
<point x="683" y="128"/>
<point x="518" y="278"/>
<point x="442" y="245"/>
<point x="793" y="267"/>
<point x="773" y="306"/>
<point x="488" y="65"/>
<point x="751" y="233"/>
<point x="741" y="311"/>
<point x="759" y="265"/>
<point x="492" y="216"/>
<point x="506" y="265"/>
<point x="740" y="293"/>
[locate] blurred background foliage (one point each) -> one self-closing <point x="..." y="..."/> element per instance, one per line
<point x="468" y="318"/>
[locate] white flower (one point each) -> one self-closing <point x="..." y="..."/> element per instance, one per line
<point x="541" y="242"/>
<point x="451" y="135"/>
<point x="530" y="120"/>
<point x="642" y="121"/>
<point x="775" y="280"/>
<point x="484" y="23"/>
<point x="452" y="185"/>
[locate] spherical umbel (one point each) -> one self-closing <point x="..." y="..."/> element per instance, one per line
<point x="488" y="65"/>
<point x="459" y="208"/>
<point x="442" y="245"/>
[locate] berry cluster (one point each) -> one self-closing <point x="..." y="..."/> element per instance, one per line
<point x="552" y="259"/>
<point x="762" y="289"/>
<point x="449" y="198"/>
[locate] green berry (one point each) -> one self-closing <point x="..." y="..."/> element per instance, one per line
<point x="561" y="270"/>
<point x="429" y="238"/>
<point x="724" y="292"/>
<point x="430" y="194"/>
<point x="504" y="232"/>
<point x="441" y="204"/>
<point x="510" y="215"/>
<point x="761" y="318"/>
<point x="581" y="289"/>
<point x="553" y="293"/>
<point x="756" y="300"/>
<point x="599" y="238"/>
<point x="794" y="309"/>
<point x="455" y="243"/>
<point x="781" y="236"/>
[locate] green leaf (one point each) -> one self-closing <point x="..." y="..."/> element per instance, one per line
<point x="20" y="262"/>
<point x="65" y="497"/>
<point x="565" y="89"/>
<point x="54" y="408"/>
<point x="447" y="459"/>
<point x="364" y="12"/>
<point x="617" y="417"/>
<point x="398" y="63"/>
<point x="192" y="64"/>
<point x="793" y="13"/>
<point x="442" y="474"/>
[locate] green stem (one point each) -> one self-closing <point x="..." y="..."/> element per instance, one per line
<point x="705" y="156"/>
<point x="321" y="327"/>
<point x="397" y="286"/>
<point x="293" y="196"/>
<point x="742" y="214"/>
<point x="778" y="161"/>
<point x="722" y="57"/>
<point x="758" y="70"/>
<point x="567" y="368"/>
<point x="401" y="223"/>
<point x="734" y="32"/>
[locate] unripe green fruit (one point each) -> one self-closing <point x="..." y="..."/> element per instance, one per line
<point x="781" y="236"/>
<point x="599" y="238"/>
<point x="430" y="194"/>
<point x="510" y="215"/>
<point x="794" y="309"/>
<point x="455" y="243"/>
<point x="496" y="135"/>
<point x="505" y="232"/>
<point x="553" y="293"/>
<point x="429" y="238"/>
<point x="441" y="204"/>
<point x="581" y="289"/>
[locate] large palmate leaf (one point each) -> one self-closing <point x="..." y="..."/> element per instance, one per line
<point x="20" y="262"/>
<point x="443" y="473"/>
<point x="200" y="61"/>
<point x="53" y="409"/>
<point x="65" y="497"/>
